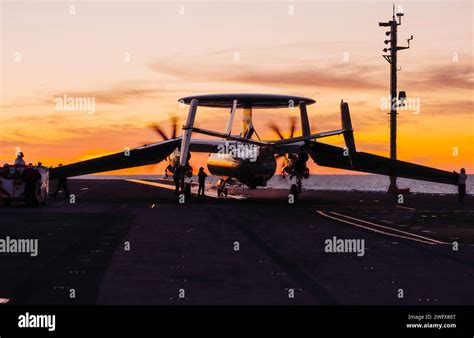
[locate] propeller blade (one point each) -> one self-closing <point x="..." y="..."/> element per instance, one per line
<point x="174" y="126"/>
<point x="159" y="131"/>
<point x="275" y="128"/>
<point x="292" y="126"/>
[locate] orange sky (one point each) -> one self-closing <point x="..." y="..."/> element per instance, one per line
<point x="324" y="51"/>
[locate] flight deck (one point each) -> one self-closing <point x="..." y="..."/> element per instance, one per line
<point x="131" y="242"/>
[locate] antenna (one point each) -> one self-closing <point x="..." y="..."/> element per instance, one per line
<point x="391" y="58"/>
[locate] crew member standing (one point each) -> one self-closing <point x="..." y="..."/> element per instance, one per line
<point x="462" y="185"/>
<point x="19" y="159"/>
<point x="202" y="181"/>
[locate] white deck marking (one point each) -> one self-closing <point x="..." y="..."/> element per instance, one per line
<point x="408" y="208"/>
<point x="410" y="236"/>
<point x="392" y="229"/>
<point x="194" y="189"/>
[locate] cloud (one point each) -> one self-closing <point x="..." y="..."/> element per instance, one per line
<point x="444" y="77"/>
<point x="16" y="105"/>
<point x="454" y="107"/>
<point x="319" y="74"/>
<point x="336" y="75"/>
<point x="7" y="144"/>
<point x="114" y="95"/>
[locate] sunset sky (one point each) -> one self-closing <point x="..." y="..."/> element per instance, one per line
<point x="326" y="51"/>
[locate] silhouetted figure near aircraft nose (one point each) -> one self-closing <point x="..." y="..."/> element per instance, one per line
<point x="462" y="185"/>
<point x="202" y="181"/>
<point x="62" y="184"/>
<point x="19" y="159"/>
<point x="178" y="178"/>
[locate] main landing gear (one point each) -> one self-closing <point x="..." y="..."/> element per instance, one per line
<point x="295" y="189"/>
<point x="221" y="188"/>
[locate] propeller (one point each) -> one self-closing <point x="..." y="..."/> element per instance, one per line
<point x="293" y="161"/>
<point x="277" y="131"/>
<point x="275" y="128"/>
<point x="292" y="126"/>
<point x="159" y="130"/>
<point x="174" y="133"/>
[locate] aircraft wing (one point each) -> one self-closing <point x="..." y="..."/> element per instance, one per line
<point x="149" y="154"/>
<point x="207" y="146"/>
<point x="331" y="156"/>
<point x="293" y="148"/>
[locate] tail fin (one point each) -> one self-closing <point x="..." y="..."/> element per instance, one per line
<point x="347" y="127"/>
<point x="306" y="130"/>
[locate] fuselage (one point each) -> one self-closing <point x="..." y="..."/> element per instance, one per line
<point x="250" y="167"/>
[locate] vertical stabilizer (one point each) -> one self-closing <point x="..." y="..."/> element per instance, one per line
<point x="347" y="127"/>
<point x="306" y="130"/>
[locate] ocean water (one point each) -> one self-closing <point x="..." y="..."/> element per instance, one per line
<point x="330" y="182"/>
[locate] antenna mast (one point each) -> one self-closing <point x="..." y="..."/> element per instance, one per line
<point x="394" y="102"/>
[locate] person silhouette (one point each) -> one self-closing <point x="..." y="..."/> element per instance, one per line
<point x="19" y="159"/>
<point x="462" y="185"/>
<point x="202" y="181"/>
